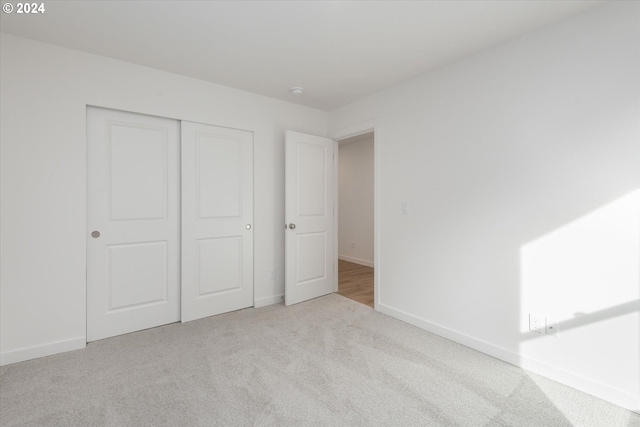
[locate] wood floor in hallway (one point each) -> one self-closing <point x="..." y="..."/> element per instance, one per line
<point x="355" y="282"/>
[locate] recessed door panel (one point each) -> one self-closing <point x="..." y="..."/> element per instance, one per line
<point x="219" y="175"/>
<point x="312" y="249"/>
<point x="133" y="222"/>
<point x="137" y="172"/>
<point x="219" y="265"/>
<point x="137" y="274"/>
<point x="311" y="179"/>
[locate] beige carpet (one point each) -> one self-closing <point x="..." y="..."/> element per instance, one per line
<point x="326" y="362"/>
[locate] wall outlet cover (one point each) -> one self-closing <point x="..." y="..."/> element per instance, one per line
<point x="536" y="323"/>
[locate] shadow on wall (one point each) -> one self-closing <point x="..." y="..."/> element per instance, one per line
<point x="584" y="280"/>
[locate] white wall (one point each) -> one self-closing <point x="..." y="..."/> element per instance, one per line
<point x="521" y="166"/>
<point x="45" y="91"/>
<point x="355" y="202"/>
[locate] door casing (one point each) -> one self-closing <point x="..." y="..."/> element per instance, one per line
<point x="348" y="132"/>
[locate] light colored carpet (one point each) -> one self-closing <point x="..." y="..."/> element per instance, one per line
<point x="326" y="362"/>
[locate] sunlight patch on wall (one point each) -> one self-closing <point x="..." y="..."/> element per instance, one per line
<point x="586" y="275"/>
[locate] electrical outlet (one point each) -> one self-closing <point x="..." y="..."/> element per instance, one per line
<point x="272" y="274"/>
<point x="404" y="208"/>
<point x="536" y="323"/>
<point x="552" y="327"/>
<point x="353" y="245"/>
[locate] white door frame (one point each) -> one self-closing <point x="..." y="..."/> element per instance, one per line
<point x="348" y="132"/>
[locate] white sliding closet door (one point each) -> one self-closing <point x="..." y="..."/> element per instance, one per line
<point x="133" y="222"/>
<point x="217" y="220"/>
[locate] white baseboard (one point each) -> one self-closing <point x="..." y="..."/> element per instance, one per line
<point x="356" y="260"/>
<point x="589" y="386"/>
<point x="28" y="353"/>
<point x="264" y="301"/>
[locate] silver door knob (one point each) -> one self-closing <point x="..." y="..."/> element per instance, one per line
<point x="292" y="226"/>
<point x="95" y="234"/>
<point x="248" y="226"/>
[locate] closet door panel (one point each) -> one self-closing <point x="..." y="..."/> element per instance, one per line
<point x="133" y="220"/>
<point x="217" y="220"/>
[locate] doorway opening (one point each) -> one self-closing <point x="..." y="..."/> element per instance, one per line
<point x="356" y="221"/>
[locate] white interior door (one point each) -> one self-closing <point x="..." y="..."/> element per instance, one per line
<point x="217" y="220"/>
<point x="132" y="222"/>
<point x="309" y="212"/>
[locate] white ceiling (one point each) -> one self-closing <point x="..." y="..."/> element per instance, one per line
<point x="339" y="51"/>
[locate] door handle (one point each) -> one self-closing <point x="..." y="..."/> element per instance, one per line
<point x="248" y="226"/>
<point x="292" y="226"/>
<point x="95" y="234"/>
